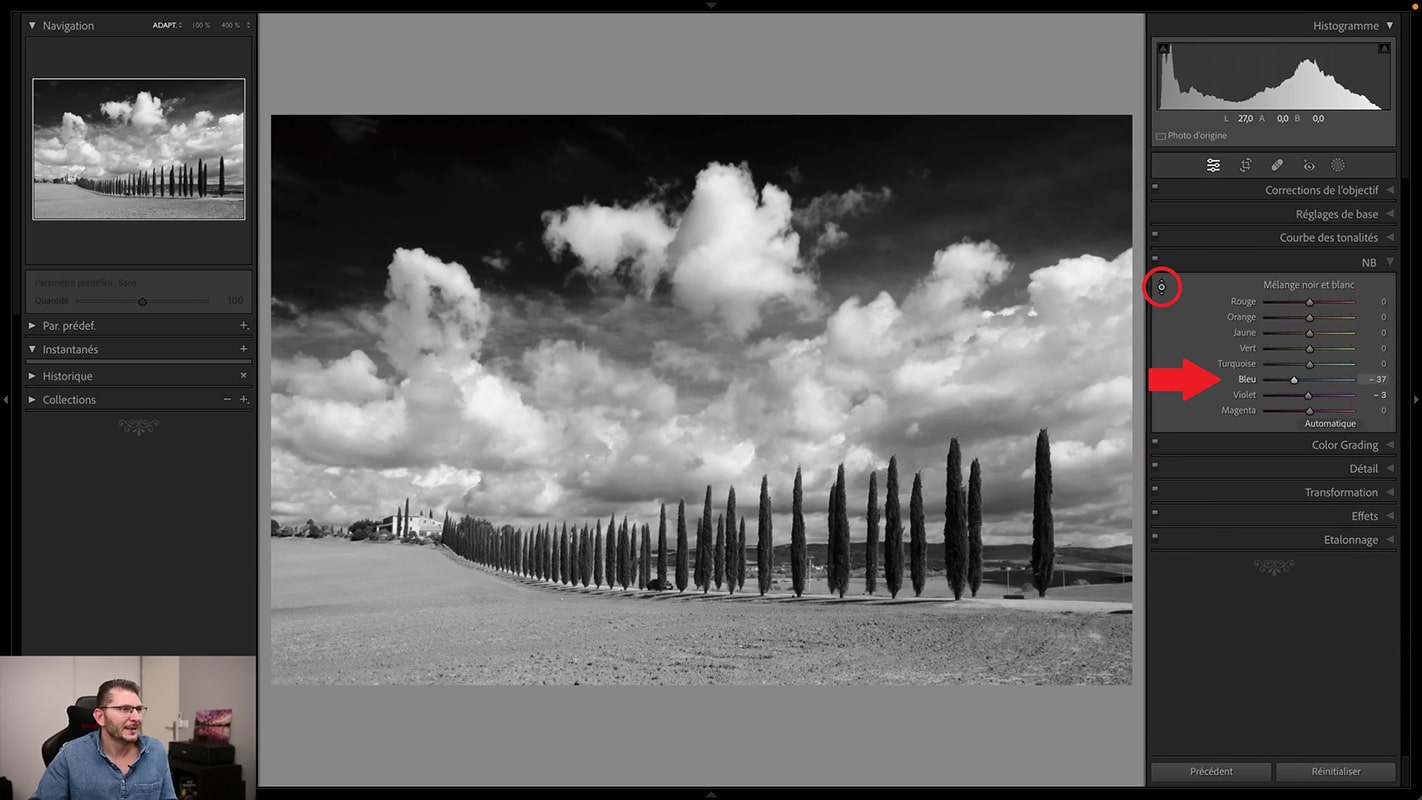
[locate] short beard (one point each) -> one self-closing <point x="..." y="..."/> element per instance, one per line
<point x="116" y="731"/>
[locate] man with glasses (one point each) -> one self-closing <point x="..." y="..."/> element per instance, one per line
<point x="115" y="761"/>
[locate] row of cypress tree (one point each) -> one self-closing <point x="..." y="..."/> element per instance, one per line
<point x="179" y="180"/>
<point x="582" y="557"/>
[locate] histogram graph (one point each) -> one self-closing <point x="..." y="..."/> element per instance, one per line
<point x="1269" y="76"/>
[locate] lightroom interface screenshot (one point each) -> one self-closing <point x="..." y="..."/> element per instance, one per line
<point x="692" y="399"/>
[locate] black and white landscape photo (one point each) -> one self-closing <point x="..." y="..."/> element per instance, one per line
<point x="139" y="149"/>
<point x="701" y="400"/>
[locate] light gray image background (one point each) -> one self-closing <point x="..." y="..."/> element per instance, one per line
<point x="699" y="64"/>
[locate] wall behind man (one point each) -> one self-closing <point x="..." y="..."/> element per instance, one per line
<point x="34" y="693"/>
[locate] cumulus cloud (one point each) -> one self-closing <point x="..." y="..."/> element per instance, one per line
<point x="566" y="374"/>
<point x="350" y="378"/>
<point x="144" y="112"/>
<point x="498" y="261"/>
<point x="907" y="377"/>
<point x="69" y="150"/>
<point x="832" y="206"/>
<point x="686" y="364"/>
<point x="608" y="240"/>
<point x="731" y="253"/>
<point x="583" y="433"/>
<point x="137" y="134"/>
<point x="962" y="272"/>
<point x="116" y="110"/>
<point x="434" y="311"/>
<point x="147" y="113"/>
<point x="830" y="238"/>
<point x="734" y="253"/>
<point x="436" y="397"/>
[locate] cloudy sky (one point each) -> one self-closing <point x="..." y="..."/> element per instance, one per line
<point x="107" y="128"/>
<point x="545" y="318"/>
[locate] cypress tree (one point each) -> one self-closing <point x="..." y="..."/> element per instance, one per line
<point x="703" y="544"/>
<point x="719" y="565"/>
<point x="560" y="572"/>
<point x="871" y="538"/>
<point x="918" y="540"/>
<point x="579" y="546"/>
<point x="1044" y="549"/>
<point x="634" y="561"/>
<point x="221" y="177"/>
<point x="831" y="538"/>
<point x="624" y="557"/>
<point x="630" y="561"/>
<point x="407" y="516"/>
<point x="645" y="576"/>
<point x="975" y="527"/>
<point x="589" y="554"/>
<point x="611" y="552"/>
<point x="955" y="523"/>
<point x="598" y="558"/>
<point x="797" y="538"/>
<point x="172" y="182"/>
<point x="202" y="179"/>
<point x="683" y="557"/>
<point x="764" y="547"/>
<point x="841" y="528"/>
<point x="741" y="556"/>
<point x="732" y="543"/>
<point x="571" y="568"/>
<point x="698" y="575"/>
<point x="662" y="549"/>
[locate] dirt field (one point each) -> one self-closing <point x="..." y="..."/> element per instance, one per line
<point x="59" y="201"/>
<point x="362" y="613"/>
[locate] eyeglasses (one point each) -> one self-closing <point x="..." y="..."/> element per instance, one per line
<point x="127" y="710"/>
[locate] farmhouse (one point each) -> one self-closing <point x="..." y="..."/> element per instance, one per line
<point x="420" y="527"/>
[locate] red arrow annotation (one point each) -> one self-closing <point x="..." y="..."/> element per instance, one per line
<point x="1190" y="379"/>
